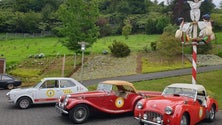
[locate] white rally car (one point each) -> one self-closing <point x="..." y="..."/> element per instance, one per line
<point x="46" y="91"/>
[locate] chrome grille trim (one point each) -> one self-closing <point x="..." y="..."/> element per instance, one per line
<point x="152" y="116"/>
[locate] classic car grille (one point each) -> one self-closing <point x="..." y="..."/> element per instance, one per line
<point x="63" y="101"/>
<point x="153" y="116"/>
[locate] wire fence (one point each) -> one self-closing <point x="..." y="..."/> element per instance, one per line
<point x="11" y="36"/>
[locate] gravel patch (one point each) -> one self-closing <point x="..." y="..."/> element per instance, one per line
<point x="206" y="60"/>
<point x="106" y="66"/>
<point x="96" y="67"/>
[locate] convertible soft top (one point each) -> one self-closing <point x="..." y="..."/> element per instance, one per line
<point x="188" y="86"/>
<point x="119" y="82"/>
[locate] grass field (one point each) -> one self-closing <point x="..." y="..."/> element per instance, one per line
<point x="135" y="42"/>
<point x="15" y="51"/>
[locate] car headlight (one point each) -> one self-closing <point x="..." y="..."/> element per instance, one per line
<point x="168" y="110"/>
<point x="145" y="116"/>
<point x="65" y="100"/>
<point x="60" y="98"/>
<point x="139" y="105"/>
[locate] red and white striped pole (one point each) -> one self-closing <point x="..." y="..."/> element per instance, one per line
<point x="194" y="63"/>
<point x="194" y="60"/>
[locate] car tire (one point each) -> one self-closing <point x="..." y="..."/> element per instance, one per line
<point x="79" y="113"/>
<point x="10" y="86"/>
<point x="212" y="113"/>
<point x="184" y="120"/>
<point x="141" y="123"/>
<point x="24" y="103"/>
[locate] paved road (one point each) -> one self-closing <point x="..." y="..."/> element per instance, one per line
<point x="156" y="75"/>
<point x="46" y="114"/>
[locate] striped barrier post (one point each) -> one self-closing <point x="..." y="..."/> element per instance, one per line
<point x="194" y="63"/>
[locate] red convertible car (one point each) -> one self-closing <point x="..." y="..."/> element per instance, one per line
<point x="113" y="97"/>
<point x="180" y="104"/>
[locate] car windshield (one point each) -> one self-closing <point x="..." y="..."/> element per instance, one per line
<point x="37" y="85"/>
<point x="180" y="91"/>
<point x="104" y="87"/>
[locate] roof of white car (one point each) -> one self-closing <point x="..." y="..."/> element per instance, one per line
<point x="188" y="86"/>
<point x="50" y="78"/>
<point x="59" y="78"/>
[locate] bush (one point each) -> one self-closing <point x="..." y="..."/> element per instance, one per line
<point x="153" y="45"/>
<point x="220" y="54"/>
<point x="146" y="49"/>
<point x="204" y="49"/>
<point x="168" y="46"/>
<point x="119" y="49"/>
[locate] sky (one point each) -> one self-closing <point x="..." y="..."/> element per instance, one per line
<point x="216" y="2"/>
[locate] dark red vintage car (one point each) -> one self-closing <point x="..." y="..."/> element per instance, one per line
<point x="180" y="104"/>
<point x="113" y="97"/>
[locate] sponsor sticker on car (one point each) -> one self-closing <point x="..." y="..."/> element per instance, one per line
<point x="67" y="91"/>
<point x="50" y="93"/>
<point x="119" y="102"/>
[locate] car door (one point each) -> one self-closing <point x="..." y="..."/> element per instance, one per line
<point x="5" y="80"/>
<point x="105" y="98"/>
<point x="48" y="92"/>
<point x="67" y="87"/>
<point x="200" y="112"/>
<point x="197" y="112"/>
<point x="119" y="100"/>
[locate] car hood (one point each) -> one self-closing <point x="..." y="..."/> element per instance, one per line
<point x="149" y="93"/>
<point x="89" y="94"/>
<point x="159" y="103"/>
<point x="20" y="90"/>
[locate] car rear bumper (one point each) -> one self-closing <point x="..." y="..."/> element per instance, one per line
<point x="60" y="110"/>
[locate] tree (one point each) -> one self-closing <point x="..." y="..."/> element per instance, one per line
<point x="217" y="21"/>
<point x="162" y="22"/>
<point x="181" y="9"/>
<point x="27" y="22"/>
<point x="207" y="7"/>
<point x="126" y="30"/>
<point x="168" y="46"/>
<point x="79" y="22"/>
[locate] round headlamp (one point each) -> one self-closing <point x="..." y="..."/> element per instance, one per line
<point x="168" y="110"/>
<point x="139" y="105"/>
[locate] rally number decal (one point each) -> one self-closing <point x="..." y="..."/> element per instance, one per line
<point x="50" y="93"/>
<point x="119" y="102"/>
<point x="67" y="91"/>
<point x="201" y="112"/>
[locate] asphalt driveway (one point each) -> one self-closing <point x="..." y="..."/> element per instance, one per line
<point x="156" y="75"/>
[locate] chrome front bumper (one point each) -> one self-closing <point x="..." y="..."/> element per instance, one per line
<point x="60" y="110"/>
<point x="147" y="122"/>
<point x="9" y="99"/>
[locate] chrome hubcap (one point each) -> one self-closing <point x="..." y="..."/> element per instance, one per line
<point x="183" y="121"/>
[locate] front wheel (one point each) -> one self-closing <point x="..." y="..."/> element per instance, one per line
<point x="184" y="120"/>
<point x="10" y="86"/>
<point x="141" y="123"/>
<point x="24" y="103"/>
<point x="211" y="117"/>
<point x="79" y="113"/>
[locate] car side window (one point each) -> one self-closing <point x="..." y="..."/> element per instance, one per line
<point x="201" y="98"/>
<point x="66" y="83"/>
<point x="6" y="78"/>
<point x="50" y="84"/>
